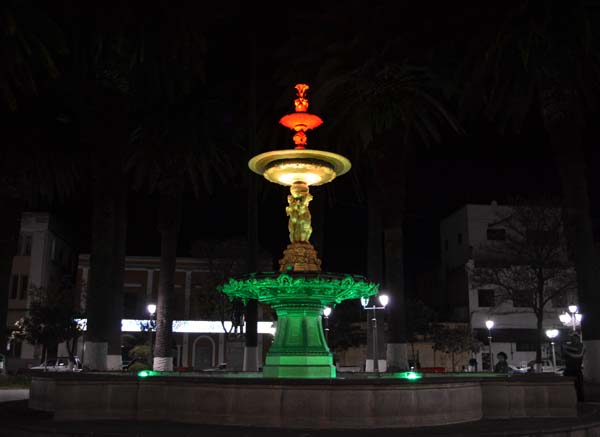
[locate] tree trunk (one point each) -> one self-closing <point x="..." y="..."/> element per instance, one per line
<point x="100" y="289"/>
<point x="114" y="356"/>
<point x="374" y="236"/>
<point x="394" y="274"/>
<point x="10" y="229"/>
<point x="540" y="339"/>
<point x="563" y="125"/>
<point x="394" y="185"/>
<point x="169" y="221"/>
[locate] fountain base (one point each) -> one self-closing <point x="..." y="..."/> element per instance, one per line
<point x="299" y="367"/>
<point x="299" y="349"/>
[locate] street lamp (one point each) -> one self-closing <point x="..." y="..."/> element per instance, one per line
<point x="489" y="324"/>
<point x="383" y="300"/>
<point x="572" y="318"/>
<point x="573" y="310"/>
<point x="326" y="314"/>
<point x="151" y="310"/>
<point x="552" y="334"/>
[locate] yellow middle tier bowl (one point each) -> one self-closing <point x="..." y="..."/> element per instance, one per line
<point x="314" y="167"/>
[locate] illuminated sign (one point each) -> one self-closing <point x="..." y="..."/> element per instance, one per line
<point x="188" y="326"/>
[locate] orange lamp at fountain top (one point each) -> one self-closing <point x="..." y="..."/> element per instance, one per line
<point x="301" y="121"/>
<point x="300" y="165"/>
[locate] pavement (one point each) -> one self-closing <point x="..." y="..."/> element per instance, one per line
<point x="12" y="394"/>
<point x="19" y="421"/>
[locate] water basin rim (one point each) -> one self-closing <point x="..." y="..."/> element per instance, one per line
<point x="343" y="380"/>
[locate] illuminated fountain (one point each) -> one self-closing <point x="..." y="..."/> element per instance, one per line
<point x="299" y="292"/>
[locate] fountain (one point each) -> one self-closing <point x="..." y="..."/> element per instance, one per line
<point x="299" y="387"/>
<point x="299" y="292"/>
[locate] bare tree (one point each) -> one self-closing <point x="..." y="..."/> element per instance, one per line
<point x="530" y="264"/>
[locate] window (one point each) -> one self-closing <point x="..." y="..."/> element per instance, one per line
<point x="522" y="300"/>
<point x="23" y="287"/>
<point x="497" y="234"/>
<point x="14" y="286"/>
<point x="459" y="238"/>
<point x="485" y="297"/>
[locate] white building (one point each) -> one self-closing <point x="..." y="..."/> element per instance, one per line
<point x="464" y="235"/>
<point x="45" y="258"/>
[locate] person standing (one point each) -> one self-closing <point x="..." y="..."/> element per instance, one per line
<point x="573" y="353"/>
<point x="501" y="363"/>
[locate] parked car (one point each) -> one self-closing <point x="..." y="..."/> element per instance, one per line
<point x="517" y="369"/>
<point x="547" y="367"/>
<point x="60" y="364"/>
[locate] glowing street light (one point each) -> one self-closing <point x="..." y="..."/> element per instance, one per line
<point x="326" y="314"/>
<point x="552" y="334"/>
<point x="573" y="310"/>
<point x="383" y="300"/>
<point x="572" y="318"/>
<point x="152" y="311"/>
<point x="489" y="324"/>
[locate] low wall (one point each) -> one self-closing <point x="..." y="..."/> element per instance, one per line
<point x="339" y="403"/>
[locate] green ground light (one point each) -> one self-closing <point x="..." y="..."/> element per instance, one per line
<point x="299" y="349"/>
<point x="408" y="375"/>
<point x="146" y="373"/>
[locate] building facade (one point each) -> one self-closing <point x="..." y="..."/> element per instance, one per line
<point x="464" y="237"/>
<point x="46" y="259"/>
<point x="204" y="335"/>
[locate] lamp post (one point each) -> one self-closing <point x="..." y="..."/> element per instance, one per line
<point x="151" y="310"/>
<point x="572" y="318"/>
<point x="383" y="300"/>
<point x="552" y="334"/>
<point x="489" y="324"/>
<point x="326" y="314"/>
<point x="573" y="311"/>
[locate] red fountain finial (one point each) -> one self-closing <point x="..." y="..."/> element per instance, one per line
<point x="301" y="121"/>
<point x="301" y="103"/>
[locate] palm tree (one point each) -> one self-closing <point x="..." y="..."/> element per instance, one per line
<point x="543" y="58"/>
<point x="30" y="44"/>
<point x="31" y="164"/>
<point x="117" y="68"/>
<point x="178" y="144"/>
<point x="96" y="90"/>
<point x="380" y="107"/>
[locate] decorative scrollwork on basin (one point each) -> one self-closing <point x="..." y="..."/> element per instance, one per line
<point x="277" y="287"/>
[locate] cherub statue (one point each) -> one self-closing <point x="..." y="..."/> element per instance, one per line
<point x="299" y="214"/>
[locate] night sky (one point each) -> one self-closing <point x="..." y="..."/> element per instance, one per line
<point x="478" y="166"/>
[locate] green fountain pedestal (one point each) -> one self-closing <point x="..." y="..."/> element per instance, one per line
<point x="299" y="349"/>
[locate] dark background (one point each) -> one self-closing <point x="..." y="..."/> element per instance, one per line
<point x="477" y="167"/>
